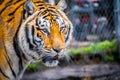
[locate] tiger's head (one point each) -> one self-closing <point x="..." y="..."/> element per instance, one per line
<point x="44" y="33"/>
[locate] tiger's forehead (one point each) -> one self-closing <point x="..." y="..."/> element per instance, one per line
<point x="51" y="19"/>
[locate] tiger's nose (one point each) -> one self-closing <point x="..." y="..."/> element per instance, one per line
<point x="57" y="50"/>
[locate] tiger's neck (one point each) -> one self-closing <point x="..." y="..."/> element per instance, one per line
<point x="23" y="62"/>
<point x="20" y="39"/>
<point x="21" y="45"/>
<point x="16" y="62"/>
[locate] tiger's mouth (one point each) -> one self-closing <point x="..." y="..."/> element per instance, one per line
<point x="50" y="61"/>
<point x="55" y="56"/>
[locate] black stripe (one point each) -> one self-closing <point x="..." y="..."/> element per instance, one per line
<point x="7" y="4"/>
<point x="8" y="61"/>
<point x="26" y="32"/>
<point x="39" y="2"/>
<point x="48" y="11"/>
<point x="1" y="1"/>
<point x="41" y="8"/>
<point x="67" y="35"/>
<point x="17" y="49"/>
<point x="37" y="23"/>
<point x="18" y="52"/>
<point x="31" y="47"/>
<point x="1" y="71"/>
<point x="51" y="10"/>
<point x="44" y="12"/>
<point x="17" y="2"/>
<point x="51" y="7"/>
<point x="46" y="16"/>
<point x="41" y="5"/>
<point x="10" y="19"/>
<point x="15" y="9"/>
<point x="33" y="31"/>
<point x="0" y="68"/>
<point x="10" y="65"/>
<point x="27" y="37"/>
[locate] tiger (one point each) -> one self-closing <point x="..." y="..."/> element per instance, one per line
<point x="31" y="31"/>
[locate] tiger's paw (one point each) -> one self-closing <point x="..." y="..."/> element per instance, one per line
<point x="50" y="62"/>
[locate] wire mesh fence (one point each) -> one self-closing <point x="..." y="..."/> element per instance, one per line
<point x="93" y="19"/>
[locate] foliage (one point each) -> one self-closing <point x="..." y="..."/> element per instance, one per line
<point x="32" y="67"/>
<point x="108" y="57"/>
<point x="95" y="48"/>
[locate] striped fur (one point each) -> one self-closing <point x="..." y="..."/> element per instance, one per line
<point x="31" y="31"/>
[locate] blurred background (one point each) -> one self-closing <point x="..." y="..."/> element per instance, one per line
<point x="95" y="46"/>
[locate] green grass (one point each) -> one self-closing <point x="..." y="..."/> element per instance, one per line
<point x="32" y="67"/>
<point x="95" y="48"/>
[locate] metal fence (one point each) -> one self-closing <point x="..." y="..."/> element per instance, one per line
<point x="93" y="20"/>
<point x="117" y="17"/>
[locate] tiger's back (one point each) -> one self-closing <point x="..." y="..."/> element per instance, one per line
<point x="22" y="33"/>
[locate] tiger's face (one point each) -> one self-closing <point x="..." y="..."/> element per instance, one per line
<point x="45" y="36"/>
<point x="51" y="34"/>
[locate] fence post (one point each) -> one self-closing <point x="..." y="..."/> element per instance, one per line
<point x="51" y="1"/>
<point x="117" y="22"/>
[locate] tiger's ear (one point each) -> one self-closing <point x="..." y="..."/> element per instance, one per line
<point x="62" y="5"/>
<point x="29" y="9"/>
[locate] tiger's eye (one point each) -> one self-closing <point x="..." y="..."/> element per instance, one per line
<point x="45" y="31"/>
<point x="62" y="28"/>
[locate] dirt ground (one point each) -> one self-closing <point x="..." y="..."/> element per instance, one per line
<point x="78" y="72"/>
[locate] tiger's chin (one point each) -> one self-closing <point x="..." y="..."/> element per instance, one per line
<point x="50" y="61"/>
